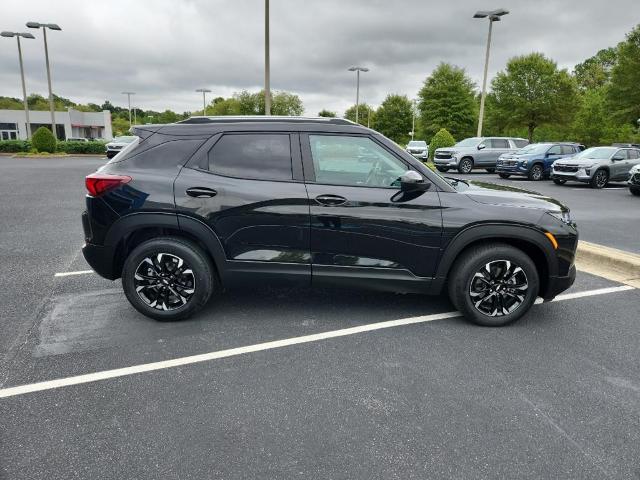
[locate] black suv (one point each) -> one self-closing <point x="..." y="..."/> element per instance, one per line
<point x="212" y="202"/>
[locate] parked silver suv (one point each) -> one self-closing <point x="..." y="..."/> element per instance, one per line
<point x="476" y="152"/>
<point x="596" y="166"/>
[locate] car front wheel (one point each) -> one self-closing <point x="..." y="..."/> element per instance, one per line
<point x="536" y="173"/>
<point x="168" y="278"/>
<point x="493" y="284"/>
<point x="599" y="179"/>
<point x="465" y="165"/>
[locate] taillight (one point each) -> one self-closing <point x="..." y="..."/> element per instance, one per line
<point x="99" y="183"/>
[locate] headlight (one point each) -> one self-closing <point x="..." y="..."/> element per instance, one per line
<point x="523" y="163"/>
<point x="563" y="215"/>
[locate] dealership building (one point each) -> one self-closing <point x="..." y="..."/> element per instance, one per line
<point x="72" y="123"/>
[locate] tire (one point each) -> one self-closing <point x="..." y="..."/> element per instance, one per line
<point x="559" y="181"/>
<point x="465" y="286"/>
<point x="635" y="191"/>
<point x="465" y="165"/>
<point x="504" y="175"/>
<point x="442" y="169"/>
<point x="157" y="259"/>
<point x="600" y="179"/>
<point x="536" y="173"/>
<point x="490" y="170"/>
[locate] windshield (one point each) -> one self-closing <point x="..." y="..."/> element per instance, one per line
<point x="468" y="142"/>
<point x="597" y="153"/>
<point x="534" y="148"/>
<point x="125" y="139"/>
<point x="417" y="143"/>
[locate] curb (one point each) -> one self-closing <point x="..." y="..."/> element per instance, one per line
<point x="611" y="263"/>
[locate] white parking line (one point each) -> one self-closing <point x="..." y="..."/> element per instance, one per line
<point x="205" y="357"/>
<point x="68" y="274"/>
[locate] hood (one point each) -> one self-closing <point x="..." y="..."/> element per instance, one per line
<point x="493" y="194"/>
<point x="577" y="161"/>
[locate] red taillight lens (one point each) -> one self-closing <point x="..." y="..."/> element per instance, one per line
<point x="99" y="183"/>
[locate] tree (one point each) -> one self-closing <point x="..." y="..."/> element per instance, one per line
<point x="624" y="91"/>
<point x="10" y="103"/>
<point x="224" y="106"/>
<point x="447" y="100"/>
<point x="282" y="103"/>
<point x="366" y="114"/>
<point x="327" y="113"/>
<point x="532" y="92"/>
<point x="393" y="118"/>
<point x="442" y="139"/>
<point x="595" y="72"/>
<point x="43" y="140"/>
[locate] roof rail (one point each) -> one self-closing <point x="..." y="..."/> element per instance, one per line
<point x="265" y="118"/>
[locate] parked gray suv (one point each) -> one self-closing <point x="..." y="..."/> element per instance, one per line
<point x="476" y="152"/>
<point x="596" y="166"/>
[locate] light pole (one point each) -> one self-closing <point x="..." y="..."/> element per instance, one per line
<point x="267" y="63"/>
<point x="24" y="88"/>
<point x="493" y="16"/>
<point x="358" y="70"/>
<point x="128" y="94"/>
<point x="204" y="100"/>
<point x="45" y="26"/>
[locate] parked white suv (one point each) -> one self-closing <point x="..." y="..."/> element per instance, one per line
<point x="418" y="148"/>
<point x="476" y="152"/>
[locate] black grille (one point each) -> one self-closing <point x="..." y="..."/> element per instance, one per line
<point x="565" y="168"/>
<point x="443" y="155"/>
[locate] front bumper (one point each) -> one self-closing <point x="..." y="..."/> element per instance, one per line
<point x="422" y="155"/>
<point x="446" y="162"/>
<point x="512" y="169"/>
<point x="556" y="285"/>
<point x="579" y="176"/>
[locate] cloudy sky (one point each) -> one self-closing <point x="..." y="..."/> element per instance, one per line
<point x="165" y="49"/>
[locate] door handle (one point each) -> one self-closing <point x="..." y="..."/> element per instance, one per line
<point x="201" y="192"/>
<point x="331" y="200"/>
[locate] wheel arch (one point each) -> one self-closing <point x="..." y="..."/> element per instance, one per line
<point x="131" y="230"/>
<point x="530" y="240"/>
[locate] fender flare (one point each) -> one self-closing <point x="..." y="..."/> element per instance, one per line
<point x="136" y="221"/>
<point x="496" y="232"/>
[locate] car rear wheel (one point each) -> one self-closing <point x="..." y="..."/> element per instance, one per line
<point x="599" y="179"/>
<point x="635" y="191"/>
<point x="559" y="181"/>
<point x="493" y="284"/>
<point x="504" y="175"/>
<point x="442" y="169"/>
<point x="168" y="278"/>
<point x="465" y="165"/>
<point x="536" y="173"/>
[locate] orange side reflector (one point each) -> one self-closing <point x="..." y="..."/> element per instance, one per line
<point x="553" y="240"/>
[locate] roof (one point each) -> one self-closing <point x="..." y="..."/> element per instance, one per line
<point x="267" y="119"/>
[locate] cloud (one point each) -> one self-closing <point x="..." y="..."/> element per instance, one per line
<point x="165" y="49"/>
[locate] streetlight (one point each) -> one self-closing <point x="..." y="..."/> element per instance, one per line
<point x="267" y="63"/>
<point x="128" y="94"/>
<point x="493" y="16"/>
<point x="45" y="26"/>
<point x="24" y="89"/>
<point x="358" y="70"/>
<point x="413" y="121"/>
<point x="204" y="100"/>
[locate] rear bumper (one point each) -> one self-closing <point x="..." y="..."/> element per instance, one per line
<point x="558" y="285"/>
<point x="100" y="259"/>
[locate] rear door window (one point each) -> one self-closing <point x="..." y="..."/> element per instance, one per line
<point x="633" y="154"/>
<point x="499" y="143"/>
<point x="260" y="156"/>
<point x="569" y="150"/>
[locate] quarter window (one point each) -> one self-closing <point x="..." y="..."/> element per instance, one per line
<point x="353" y="161"/>
<point x="257" y="156"/>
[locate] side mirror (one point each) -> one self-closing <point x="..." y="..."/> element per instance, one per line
<point x="481" y="146"/>
<point x="617" y="158"/>
<point x="412" y="181"/>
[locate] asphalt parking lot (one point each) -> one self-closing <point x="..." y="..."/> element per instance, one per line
<point x="557" y="395"/>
